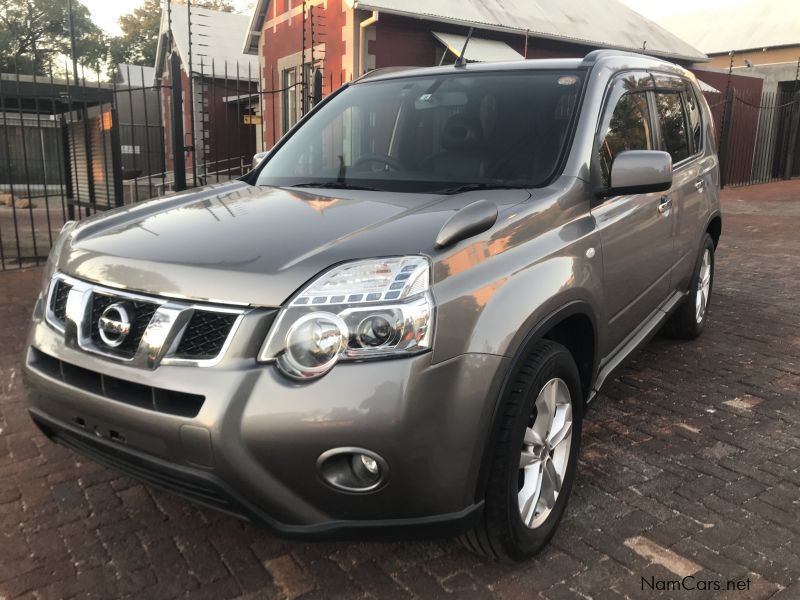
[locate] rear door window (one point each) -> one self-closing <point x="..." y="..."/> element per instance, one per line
<point x="672" y="121"/>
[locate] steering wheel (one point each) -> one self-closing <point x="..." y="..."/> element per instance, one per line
<point x="382" y="159"/>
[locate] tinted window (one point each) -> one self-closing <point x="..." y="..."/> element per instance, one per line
<point x="695" y="120"/>
<point x="673" y="124"/>
<point x="628" y="128"/>
<point x="434" y="133"/>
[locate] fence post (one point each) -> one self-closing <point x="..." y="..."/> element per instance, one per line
<point x="179" y="162"/>
<point x="116" y="156"/>
<point x="66" y="152"/>
<point x="87" y="144"/>
<point x="794" y="126"/>
<point x="724" y="135"/>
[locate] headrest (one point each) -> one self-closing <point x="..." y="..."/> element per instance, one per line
<point x="461" y="132"/>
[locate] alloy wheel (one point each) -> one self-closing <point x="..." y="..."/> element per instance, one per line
<point x="545" y="453"/>
<point x="703" y="287"/>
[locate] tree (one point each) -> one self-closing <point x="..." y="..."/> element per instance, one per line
<point x="139" y="40"/>
<point x="34" y="34"/>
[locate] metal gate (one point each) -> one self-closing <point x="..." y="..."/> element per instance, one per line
<point x="758" y="136"/>
<point x="52" y="154"/>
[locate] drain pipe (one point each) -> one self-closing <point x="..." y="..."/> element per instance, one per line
<point x="362" y="40"/>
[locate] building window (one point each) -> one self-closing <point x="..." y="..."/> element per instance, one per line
<point x="289" y="97"/>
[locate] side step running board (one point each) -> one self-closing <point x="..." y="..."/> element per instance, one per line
<point x="643" y="335"/>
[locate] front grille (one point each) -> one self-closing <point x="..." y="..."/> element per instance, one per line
<point x="193" y="333"/>
<point x="143" y="313"/>
<point x="205" y="335"/>
<point x="120" y="390"/>
<point x="58" y="300"/>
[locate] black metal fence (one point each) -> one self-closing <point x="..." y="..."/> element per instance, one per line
<point x="69" y="149"/>
<point x="65" y="151"/>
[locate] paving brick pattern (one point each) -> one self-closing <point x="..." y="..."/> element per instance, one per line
<point x="690" y="464"/>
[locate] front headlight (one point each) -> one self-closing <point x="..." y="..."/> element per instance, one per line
<point x="361" y="310"/>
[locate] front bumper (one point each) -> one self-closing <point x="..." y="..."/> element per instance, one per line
<point x="252" y="448"/>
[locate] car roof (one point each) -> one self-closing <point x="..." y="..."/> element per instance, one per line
<point x="611" y="58"/>
<point x="476" y="67"/>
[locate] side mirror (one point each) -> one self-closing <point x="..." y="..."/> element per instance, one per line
<point x="639" y="172"/>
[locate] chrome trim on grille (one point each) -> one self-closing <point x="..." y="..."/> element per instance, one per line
<point x="49" y="316"/>
<point x="160" y="338"/>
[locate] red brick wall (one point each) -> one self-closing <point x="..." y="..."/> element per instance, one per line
<point x="399" y="41"/>
<point x="228" y="137"/>
<point x="286" y="39"/>
<point x="409" y="42"/>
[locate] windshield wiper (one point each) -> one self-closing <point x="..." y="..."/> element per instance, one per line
<point x="480" y="186"/>
<point x="335" y="185"/>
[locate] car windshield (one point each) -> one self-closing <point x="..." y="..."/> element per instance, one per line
<point x="434" y="134"/>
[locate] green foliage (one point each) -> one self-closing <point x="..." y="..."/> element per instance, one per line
<point x="34" y="35"/>
<point x="139" y="40"/>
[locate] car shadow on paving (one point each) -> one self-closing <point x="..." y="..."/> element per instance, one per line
<point x="690" y="465"/>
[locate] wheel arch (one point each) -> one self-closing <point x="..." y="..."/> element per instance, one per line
<point x="714" y="228"/>
<point x="567" y="326"/>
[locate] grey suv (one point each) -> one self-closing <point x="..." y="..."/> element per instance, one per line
<point x="394" y="324"/>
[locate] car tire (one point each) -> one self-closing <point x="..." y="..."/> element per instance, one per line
<point x="689" y="320"/>
<point x="516" y="523"/>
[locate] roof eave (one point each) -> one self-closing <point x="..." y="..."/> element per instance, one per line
<point x="254" y="27"/>
<point x="700" y="57"/>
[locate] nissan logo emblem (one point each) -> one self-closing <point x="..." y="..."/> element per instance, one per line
<point x="115" y="323"/>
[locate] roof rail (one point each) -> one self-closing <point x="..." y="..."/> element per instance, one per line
<point x="595" y="56"/>
<point x="382" y="71"/>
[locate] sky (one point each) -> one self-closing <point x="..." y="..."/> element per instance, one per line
<point x="106" y="12"/>
<point x="655" y="9"/>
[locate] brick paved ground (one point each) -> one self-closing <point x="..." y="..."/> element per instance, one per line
<point x="691" y="462"/>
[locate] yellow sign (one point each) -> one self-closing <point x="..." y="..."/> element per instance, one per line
<point x="252" y="119"/>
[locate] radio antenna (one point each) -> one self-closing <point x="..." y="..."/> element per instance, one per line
<point x="461" y="60"/>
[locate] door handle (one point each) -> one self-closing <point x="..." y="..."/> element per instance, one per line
<point x="699" y="185"/>
<point x="665" y="204"/>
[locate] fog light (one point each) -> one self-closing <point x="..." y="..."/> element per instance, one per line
<point x="370" y="464"/>
<point x="353" y="469"/>
<point x="365" y="468"/>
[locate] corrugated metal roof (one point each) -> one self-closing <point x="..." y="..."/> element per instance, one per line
<point x="604" y="23"/>
<point x="479" y="49"/>
<point x="216" y="40"/>
<point x="751" y="25"/>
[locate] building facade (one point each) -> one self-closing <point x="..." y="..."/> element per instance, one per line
<point x="219" y="91"/>
<point x="300" y="42"/>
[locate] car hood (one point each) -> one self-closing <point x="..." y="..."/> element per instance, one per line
<point x="237" y="243"/>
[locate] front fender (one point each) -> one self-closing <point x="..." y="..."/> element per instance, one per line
<point x="491" y="307"/>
